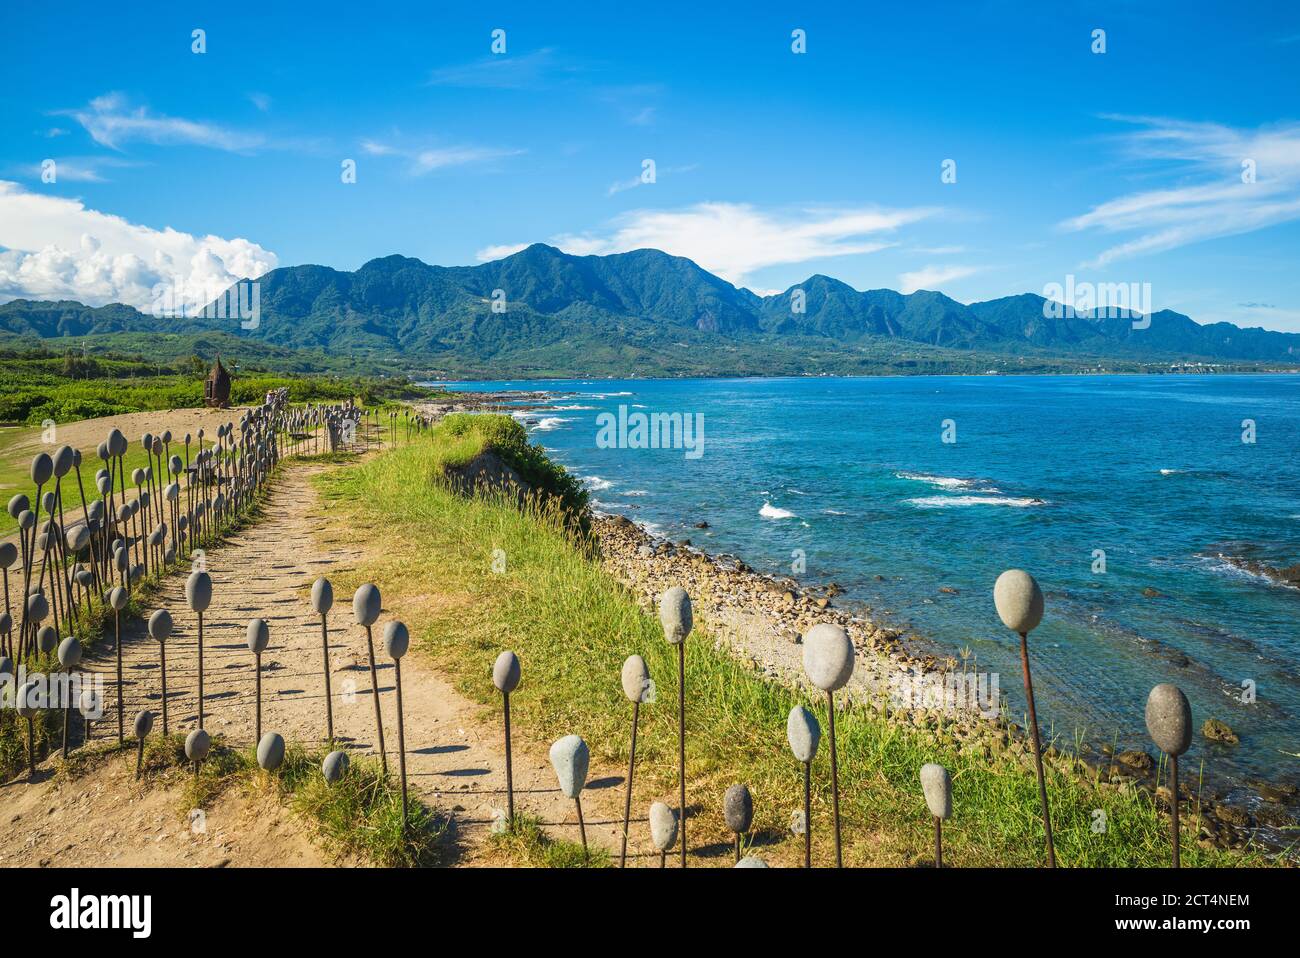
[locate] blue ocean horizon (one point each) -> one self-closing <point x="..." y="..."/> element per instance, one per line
<point x="1136" y="501"/>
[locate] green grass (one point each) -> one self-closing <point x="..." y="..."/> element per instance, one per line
<point x="431" y="552"/>
<point x="528" y="845"/>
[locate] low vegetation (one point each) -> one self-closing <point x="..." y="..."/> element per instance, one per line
<point x="439" y="556"/>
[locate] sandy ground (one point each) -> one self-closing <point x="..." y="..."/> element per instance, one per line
<point x="455" y="756"/>
<point x="106" y="818"/>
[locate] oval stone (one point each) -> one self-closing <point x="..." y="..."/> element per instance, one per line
<point x="738" y="808"/>
<point x="750" y="861"/>
<point x="270" y="751"/>
<point x="335" y="766"/>
<point x="1018" y="600"/>
<point x="505" y="672"/>
<point x="803" y="732"/>
<point x="143" y="723"/>
<point x="160" y="625"/>
<point x="198" y="591"/>
<point x="828" y="657"/>
<point x="197" y="744"/>
<point x="635" y="678"/>
<point x="397" y="639"/>
<point x="69" y="652"/>
<point x="322" y="596"/>
<point x="675" y="614"/>
<point x="663" y="826"/>
<point x="1169" y="719"/>
<point x="259" y="636"/>
<point x="366" y="604"/>
<point x="570" y="758"/>
<point x="937" y="786"/>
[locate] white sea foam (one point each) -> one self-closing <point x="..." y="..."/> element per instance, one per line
<point x="833" y="512"/>
<point x="770" y="511"/>
<point x="949" y="502"/>
<point x="1170" y="472"/>
<point x="950" y="483"/>
<point x="595" y="483"/>
<point x="568" y="408"/>
<point x="548" y="423"/>
<point x="636" y="492"/>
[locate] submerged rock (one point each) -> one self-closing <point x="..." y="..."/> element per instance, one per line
<point x="1217" y="731"/>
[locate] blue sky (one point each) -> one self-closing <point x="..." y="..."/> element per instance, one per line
<point x="1122" y="166"/>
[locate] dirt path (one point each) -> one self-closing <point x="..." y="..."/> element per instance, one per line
<point x="455" y="758"/>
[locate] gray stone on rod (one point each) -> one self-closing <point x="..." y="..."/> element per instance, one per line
<point x="636" y="678"/>
<point x="570" y="758"/>
<point x="397" y="639"/>
<point x="828" y="657"/>
<point x="270" y="751"/>
<point x="198" y="591"/>
<point x="803" y="732"/>
<point x="367" y="604"/>
<point x="738" y="808"/>
<point x="70" y="652"/>
<point x="322" y="596"/>
<point x="259" y="636"/>
<point x="1169" y="719"/>
<point x="505" y="672"/>
<point x="143" y="723"/>
<point x="197" y="744"/>
<point x="663" y="826"/>
<point x="1018" y="600"/>
<point x="675" y="614"/>
<point x="335" y="766"/>
<point x="160" y="625"/>
<point x="750" y="861"/>
<point x="937" y="786"/>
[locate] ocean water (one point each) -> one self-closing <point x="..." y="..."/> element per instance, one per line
<point x="1045" y="474"/>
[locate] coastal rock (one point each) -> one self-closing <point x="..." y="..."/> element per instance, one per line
<point x="1217" y="731"/>
<point x="1277" y="793"/>
<point x="1136" y="760"/>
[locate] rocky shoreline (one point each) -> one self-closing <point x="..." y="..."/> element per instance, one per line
<point x="760" y="618"/>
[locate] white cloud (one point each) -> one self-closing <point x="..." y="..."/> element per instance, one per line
<point x="633" y="182"/>
<point x="112" y="121"/>
<point x="260" y="100"/>
<point x="1210" y="199"/>
<point x="932" y="277"/>
<point x="56" y="248"/>
<point x="432" y="159"/>
<point x="734" y="240"/>
<point x="505" y="71"/>
<point x="489" y="253"/>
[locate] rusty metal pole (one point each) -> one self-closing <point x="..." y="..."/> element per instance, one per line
<point x="835" y="779"/>
<point x="1038" y="753"/>
<point x="681" y="741"/>
<point x="510" y="779"/>
<point x="627" y="804"/>
<point x="1173" y="804"/>
<point x="807" y="814"/>
<point x="329" y="701"/>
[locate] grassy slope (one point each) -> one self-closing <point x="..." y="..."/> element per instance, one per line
<point x="572" y="625"/>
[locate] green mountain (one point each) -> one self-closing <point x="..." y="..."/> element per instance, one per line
<point x="544" y="312"/>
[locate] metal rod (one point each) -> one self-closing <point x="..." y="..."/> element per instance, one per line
<point x="374" y="684"/>
<point x="938" y="842"/>
<point x="807" y="814"/>
<point x="401" y="738"/>
<point x="510" y="781"/>
<point x="582" y="826"/>
<point x="681" y="741"/>
<point x="257" y="665"/>
<point x="627" y="804"/>
<point x="196" y="767"/>
<point x="329" y="702"/>
<point x="121" y="728"/>
<point x="162" y="651"/>
<point x="1038" y="753"/>
<point x="835" y="780"/>
<point x="1173" y="786"/>
<point x="31" y="747"/>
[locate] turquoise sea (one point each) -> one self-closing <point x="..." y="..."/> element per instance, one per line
<point x="1045" y="473"/>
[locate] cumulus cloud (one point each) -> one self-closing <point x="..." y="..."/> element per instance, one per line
<point x="1227" y="181"/>
<point x="56" y="248"/>
<point x="932" y="277"/>
<point x="734" y="240"/>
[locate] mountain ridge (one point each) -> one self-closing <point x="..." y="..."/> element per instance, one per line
<point x="646" y="304"/>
